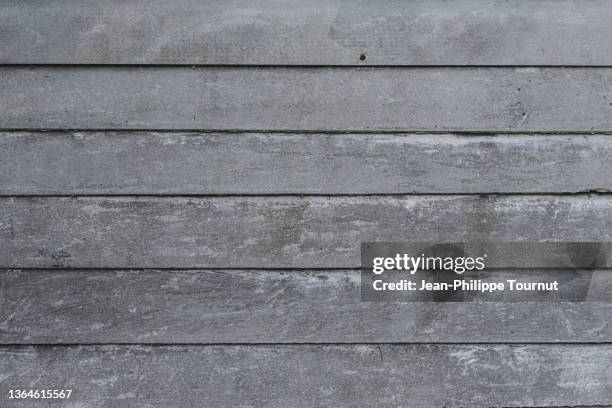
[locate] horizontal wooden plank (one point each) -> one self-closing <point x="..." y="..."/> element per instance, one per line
<point x="418" y="99"/>
<point x="257" y="306"/>
<point x="283" y="231"/>
<point x="315" y="375"/>
<point x="244" y="163"/>
<point x="424" y="32"/>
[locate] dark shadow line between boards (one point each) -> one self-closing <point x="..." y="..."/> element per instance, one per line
<point x="322" y="344"/>
<point x="407" y="132"/>
<point x="348" y="66"/>
<point x="586" y="193"/>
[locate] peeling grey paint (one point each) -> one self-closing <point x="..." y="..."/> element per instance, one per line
<point x="275" y="232"/>
<point x="263" y="306"/>
<point x="280" y="376"/>
<point x="338" y="32"/>
<point x="286" y="98"/>
<point x="245" y="163"/>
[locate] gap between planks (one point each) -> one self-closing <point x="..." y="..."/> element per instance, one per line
<point x="586" y="193"/>
<point x="313" y="344"/>
<point x="374" y="132"/>
<point x="302" y="66"/>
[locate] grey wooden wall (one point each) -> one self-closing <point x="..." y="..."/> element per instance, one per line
<point x="185" y="184"/>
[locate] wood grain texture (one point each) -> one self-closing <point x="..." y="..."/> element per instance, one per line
<point x="417" y="99"/>
<point x="250" y="232"/>
<point x="243" y="163"/>
<point x="338" y="32"/>
<point x="239" y="332"/>
<point x="258" y="306"/>
<point x="315" y="375"/>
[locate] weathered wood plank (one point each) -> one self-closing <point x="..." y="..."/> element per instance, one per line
<point x="419" y="99"/>
<point x="255" y="306"/>
<point x="315" y="375"/>
<point x="249" y="232"/>
<point x="243" y="163"/>
<point x="424" y="32"/>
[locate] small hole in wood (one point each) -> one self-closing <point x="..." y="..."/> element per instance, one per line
<point x="362" y="57"/>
